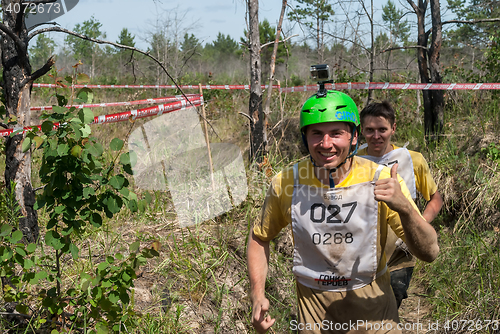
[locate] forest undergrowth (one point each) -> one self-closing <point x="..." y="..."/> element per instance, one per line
<point x="199" y="282"/>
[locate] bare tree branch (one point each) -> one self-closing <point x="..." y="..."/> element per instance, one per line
<point x="404" y="48"/>
<point x="413" y="5"/>
<point x="348" y="40"/>
<point x="267" y="110"/>
<point x="280" y="41"/>
<point x="247" y="116"/>
<point x="472" y="21"/>
<point x="19" y="44"/>
<point x="366" y="11"/>
<point x="40" y="72"/>
<point x="41" y="24"/>
<point x="37" y="2"/>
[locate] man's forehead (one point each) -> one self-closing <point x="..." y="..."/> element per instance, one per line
<point x="329" y="126"/>
<point x="375" y="121"/>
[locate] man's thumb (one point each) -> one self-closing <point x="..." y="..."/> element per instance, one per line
<point x="394" y="171"/>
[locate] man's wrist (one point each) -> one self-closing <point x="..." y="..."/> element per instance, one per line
<point x="405" y="210"/>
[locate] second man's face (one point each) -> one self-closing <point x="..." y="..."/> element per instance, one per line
<point x="377" y="131"/>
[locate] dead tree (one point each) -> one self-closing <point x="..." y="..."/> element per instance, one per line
<point x="428" y="65"/>
<point x="16" y="85"/>
<point x="258" y="128"/>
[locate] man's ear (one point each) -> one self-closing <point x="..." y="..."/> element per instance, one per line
<point x="394" y="128"/>
<point x="355" y="138"/>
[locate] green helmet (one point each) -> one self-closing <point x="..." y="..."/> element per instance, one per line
<point x="334" y="107"/>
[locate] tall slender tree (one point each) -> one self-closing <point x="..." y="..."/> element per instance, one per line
<point x="84" y="50"/>
<point x="258" y="127"/>
<point x="314" y="14"/>
<point x="428" y="64"/>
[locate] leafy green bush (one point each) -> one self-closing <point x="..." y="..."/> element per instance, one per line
<point x="79" y="188"/>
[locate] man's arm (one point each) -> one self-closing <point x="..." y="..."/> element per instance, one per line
<point x="420" y="236"/>
<point x="433" y="207"/>
<point x="258" y="259"/>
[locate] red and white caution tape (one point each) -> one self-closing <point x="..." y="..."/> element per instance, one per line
<point x="127" y="103"/>
<point x="387" y="85"/>
<point x="307" y="88"/>
<point x="132" y="114"/>
<point x="153" y="86"/>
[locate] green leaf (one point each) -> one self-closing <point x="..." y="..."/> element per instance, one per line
<point x="74" y="251"/>
<point x="38" y="141"/>
<point x="28" y="264"/>
<point x="126" y="277"/>
<point x="82" y="78"/>
<point x="116" y="144"/>
<point x="125" y="192"/>
<point x="47" y="126"/>
<point x="53" y="239"/>
<point x="134" y="246"/>
<point x="21" y="308"/>
<point x="16" y="236"/>
<point x="114" y="297"/>
<point x="142" y="205"/>
<point x="88" y="191"/>
<point x="5" y="230"/>
<point x="102" y="266"/>
<point x="76" y="151"/>
<point x="41" y="275"/>
<point x="60" y="110"/>
<point x="31" y="248"/>
<point x="26" y="144"/>
<point x="125" y="158"/>
<point x="86" y="131"/>
<point x="124" y="297"/>
<point x="102" y="328"/>
<point x="86" y="115"/>
<point x="20" y="251"/>
<point x="114" y="204"/>
<point x="148" y="197"/>
<point x="62" y="149"/>
<point x="117" y="181"/>
<point x="132" y="205"/>
<point x="60" y="209"/>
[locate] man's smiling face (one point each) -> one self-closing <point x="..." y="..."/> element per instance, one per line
<point x="329" y="143"/>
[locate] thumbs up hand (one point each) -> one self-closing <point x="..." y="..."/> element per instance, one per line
<point x="389" y="191"/>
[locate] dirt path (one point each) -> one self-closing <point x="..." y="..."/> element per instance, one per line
<point x="415" y="311"/>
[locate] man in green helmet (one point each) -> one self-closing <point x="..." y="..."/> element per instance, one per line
<point x="340" y="208"/>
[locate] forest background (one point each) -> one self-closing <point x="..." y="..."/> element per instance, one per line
<point x="195" y="279"/>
